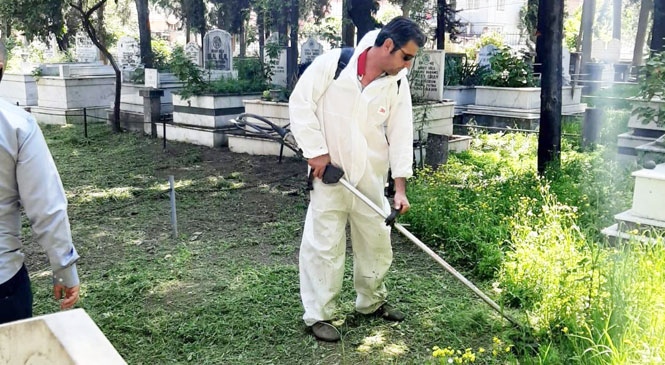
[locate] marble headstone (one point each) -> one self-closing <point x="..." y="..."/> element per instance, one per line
<point x="565" y="63"/>
<point x="612" y="51"/>
<point x="310" y="50"/>
<point x="193" y="52"/>
<point x="217" y="50"/>
<point x="426" y="75"/>
<point x="129" y="52"/>
<point x="85" y="49"/>
<point x="279" y="67"/>
<point x="485" y="53"/>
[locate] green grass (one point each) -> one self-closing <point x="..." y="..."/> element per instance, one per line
<point x="225" y="291"/>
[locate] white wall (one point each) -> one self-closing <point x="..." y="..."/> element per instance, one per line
<point x="490" y="14"/>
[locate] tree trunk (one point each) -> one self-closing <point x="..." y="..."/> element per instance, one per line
<point x="101" y="33"/>
<point x="436" y="150"/>
<point x="441" y="24"/>
<point x="292" y="53"/>
<point x="640" y="38"/>
<point x="260" y="25"/>
<point x="616" y="25"/>
<point x="348" y="29"/>
<point x="143" y="11"/>
<point x="658" y="30"/>
<point x="550" y="28"/>
<point x="588" y="15"/>
<point x="361" y="14"/>
<point x="241" y="40"/>
<point x="92" y="33"/>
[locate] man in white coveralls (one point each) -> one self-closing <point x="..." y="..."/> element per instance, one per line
<point x="360" y="122"/>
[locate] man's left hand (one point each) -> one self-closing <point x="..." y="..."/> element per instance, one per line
<point x="69" y="296"/>
<point x="401" y="202"/>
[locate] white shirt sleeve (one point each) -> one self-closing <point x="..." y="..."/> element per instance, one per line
<point x="44" y="201"/>
<point x="400" y="132"/>
<point x="303" y="104"/>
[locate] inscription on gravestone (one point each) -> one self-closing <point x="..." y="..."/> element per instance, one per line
<point x="426" y="80"/>
<point x="217" y="50"/>
<point x="85" y="49"/>
<point x="193" y="52"/>
<point x="310" y="50"/>
<point x="485" y="53"/>
<point x="128" y="53"/>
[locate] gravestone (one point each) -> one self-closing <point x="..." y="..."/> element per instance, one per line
<point x="217" y="50"/>
<point x="565" y="69"/>
<point x="279" y="64"/>
<point x="193" y="52"/>
<point x="85" y="49"/>
<point x="484" y="55"/>
<point x="310" y="50"/>
<point x="129" y="52"/>
<point x="426" y="75"/>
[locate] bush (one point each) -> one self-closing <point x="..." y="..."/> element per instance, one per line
<point x="194" y="83"/>
<point x="509" y="70"/>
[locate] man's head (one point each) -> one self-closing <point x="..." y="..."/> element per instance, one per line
<point x="399" y="41"/>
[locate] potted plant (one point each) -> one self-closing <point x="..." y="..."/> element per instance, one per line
<point x="205" y="105"/>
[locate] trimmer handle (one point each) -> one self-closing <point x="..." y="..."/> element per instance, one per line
<point x="394" y="214"/>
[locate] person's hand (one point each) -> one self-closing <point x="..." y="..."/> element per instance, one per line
<point x="318" y="165"/>
<point x="69" y="296"/>
<point x="401" y="202"/>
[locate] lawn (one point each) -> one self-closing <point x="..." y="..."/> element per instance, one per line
<point x="225" y="290"/>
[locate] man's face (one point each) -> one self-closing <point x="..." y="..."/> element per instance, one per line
<point x="401" y="58"/>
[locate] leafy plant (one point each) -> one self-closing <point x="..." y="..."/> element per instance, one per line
<point x="651" y="88"/>
<point x="162" y="53"/>
<point x="195" y="83"/>
<point x="459" y="71"/>
<point x="509" y="70"/>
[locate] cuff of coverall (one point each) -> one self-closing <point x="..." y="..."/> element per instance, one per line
<point x="67" y="277"/>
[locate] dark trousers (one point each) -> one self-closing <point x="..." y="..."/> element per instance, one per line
<point x="16" y="297"/>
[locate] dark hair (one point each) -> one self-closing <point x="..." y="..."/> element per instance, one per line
<point x="401" y="30"/>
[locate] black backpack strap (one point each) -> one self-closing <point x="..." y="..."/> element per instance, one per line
<point x="399" y="82"/>
<point x="344" y="59"/>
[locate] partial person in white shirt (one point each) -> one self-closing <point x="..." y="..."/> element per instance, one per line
<point x="29" y="180"/>
<point x="362" y="123"/>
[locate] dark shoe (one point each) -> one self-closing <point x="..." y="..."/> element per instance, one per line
<point x="387" y="312"/>
<point x="325" y="331"/>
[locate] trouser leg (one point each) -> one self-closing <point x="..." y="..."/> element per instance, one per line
<point x="322" y="253"/>
<point x="372" y="253"/>
<point x="16" y="297"/>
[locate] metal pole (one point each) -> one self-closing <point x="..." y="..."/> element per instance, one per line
<point x="85" y="122"/>
<point x="174" y="218"/>
<point x="431" y="253"/>
<point x="164" y="135"/>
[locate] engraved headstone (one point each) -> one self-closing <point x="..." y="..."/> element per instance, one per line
<point x="193" y="52"/>
<point x="426" y="76"/>
<point x="278" y="64"/>
<point x="565" y="63"/>
<point x="310" y="50"/>
<point x="485" y="53"/>
<point x="129" y="52"/>
<point x="217" y="50"/>
<point x="85" y="49"/>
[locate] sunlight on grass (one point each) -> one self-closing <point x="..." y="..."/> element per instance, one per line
<point x="118" y="193"/>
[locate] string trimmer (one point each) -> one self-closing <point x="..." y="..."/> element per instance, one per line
<point x="334" y="175"/>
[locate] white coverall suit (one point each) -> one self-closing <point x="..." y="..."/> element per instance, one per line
<point x="364" y="131"/>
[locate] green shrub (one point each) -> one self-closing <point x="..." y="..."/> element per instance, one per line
<point x="195" y="83"/>
<point x="509" y="70"/>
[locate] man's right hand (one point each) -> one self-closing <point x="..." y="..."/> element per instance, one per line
<point x="318" y="165"/>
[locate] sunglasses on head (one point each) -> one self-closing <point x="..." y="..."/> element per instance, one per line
<point x="406" y="57"/>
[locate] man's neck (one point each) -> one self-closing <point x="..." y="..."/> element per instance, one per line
<point x="372" y="68"/>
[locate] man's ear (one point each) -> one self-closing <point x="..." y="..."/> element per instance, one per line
<point x="389" y="44"/>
